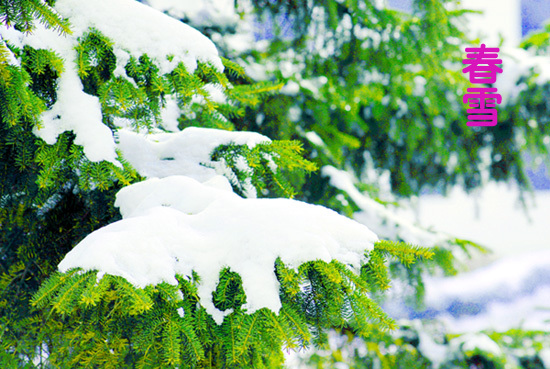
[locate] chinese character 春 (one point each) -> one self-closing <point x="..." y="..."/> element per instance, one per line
<point x="483" y="65"/>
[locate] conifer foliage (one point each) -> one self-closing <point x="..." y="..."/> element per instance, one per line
<point x="112" y="324"/>
<point x="382" y="89"/>
<point x="74" y="85"/>
<point x="54" y="193"/>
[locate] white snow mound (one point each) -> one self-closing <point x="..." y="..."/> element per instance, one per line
<point x="175" y="225"/>
<point x="139" y="29"/>
<point x="206" y="13"/>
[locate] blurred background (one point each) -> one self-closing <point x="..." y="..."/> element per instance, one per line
<point x="497" y="294"/>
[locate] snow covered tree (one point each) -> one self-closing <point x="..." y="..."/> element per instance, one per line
<point x="377" y="93"/>
<point x="153" y="224"/>
<point x="195" y="275"/>
<point x="368" y="79"/>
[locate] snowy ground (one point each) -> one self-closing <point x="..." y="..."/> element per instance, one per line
<point x="511" y="287"/>
<point x="513" y="292"/>
<point x="494" y="217"/>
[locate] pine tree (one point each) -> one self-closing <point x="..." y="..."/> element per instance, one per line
<point x="404" y="111"/>
<point x="61" y="172"/>
<point x="380" y="89"/>
<point x="55" y="192"/>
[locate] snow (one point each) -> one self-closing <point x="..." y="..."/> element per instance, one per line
<point x="233" y="26"/>
<point x="436" y="352"/>
<point x="493" y="280"/>
<point x="127" y="23"/>
<point x="314" y="84"/>
<point x="170" y="114"/>
<point x="181" y="312"/>
<point x="475" y="341"/>
<point x="492" y="216"/>
<point x="291" y="88"/>
<point x="439" y="353"/>
<point x="499" y="18"/>
<point x="544" y="356"/>
<point x="379" y="218"/>
<point x="79" y="112"/>
<point x="511" y="293"/>
<point x="204" y="13"/>
<point x="517" y="63"/>
<point x="314" y="138"/>
<point x="294" y="112"/>
<point x="419" y="86"/>
<point x="175" y="225"/>
<point x="74" y="110"/>
<point x="216" y="93"/>
<point x="181" y="153"/>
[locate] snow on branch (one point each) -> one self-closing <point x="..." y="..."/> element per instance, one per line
<point x="127" y="24"/>
<point x="382" y="220"/>
<point x="181" y="153"/>
<point x="176" y="225"/>
<point x="518" y="64"/>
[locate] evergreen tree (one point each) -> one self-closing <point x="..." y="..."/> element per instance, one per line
<point x="86" y="107"/>
<point x="382" y="89"/>
<point x="61" y="171"/>
<point x="373" y="90"/>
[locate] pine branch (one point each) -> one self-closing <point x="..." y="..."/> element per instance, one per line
<point x="365" y="310"/>
<point x="359" y="284"/>
<point x="233" y="326"/>
<point x="4" y="58"/>
<point x="136" y="299"/>
<point x="65" y="299"/>
<point x="234" y="70"/>
<point x="376" y="271"/>
<point x="296" y="323"/>
<point x="405" y="253"/>
<point x="192" y="345"/>
<point x="50" y="287"/>
<point x="246" y="332"/>
<point x="280" y="328"/>
<point x="94" y="291"/>
<point x="49" y="18"/>
<point x="289" y="279"/>
<point x="171" y="342"/>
